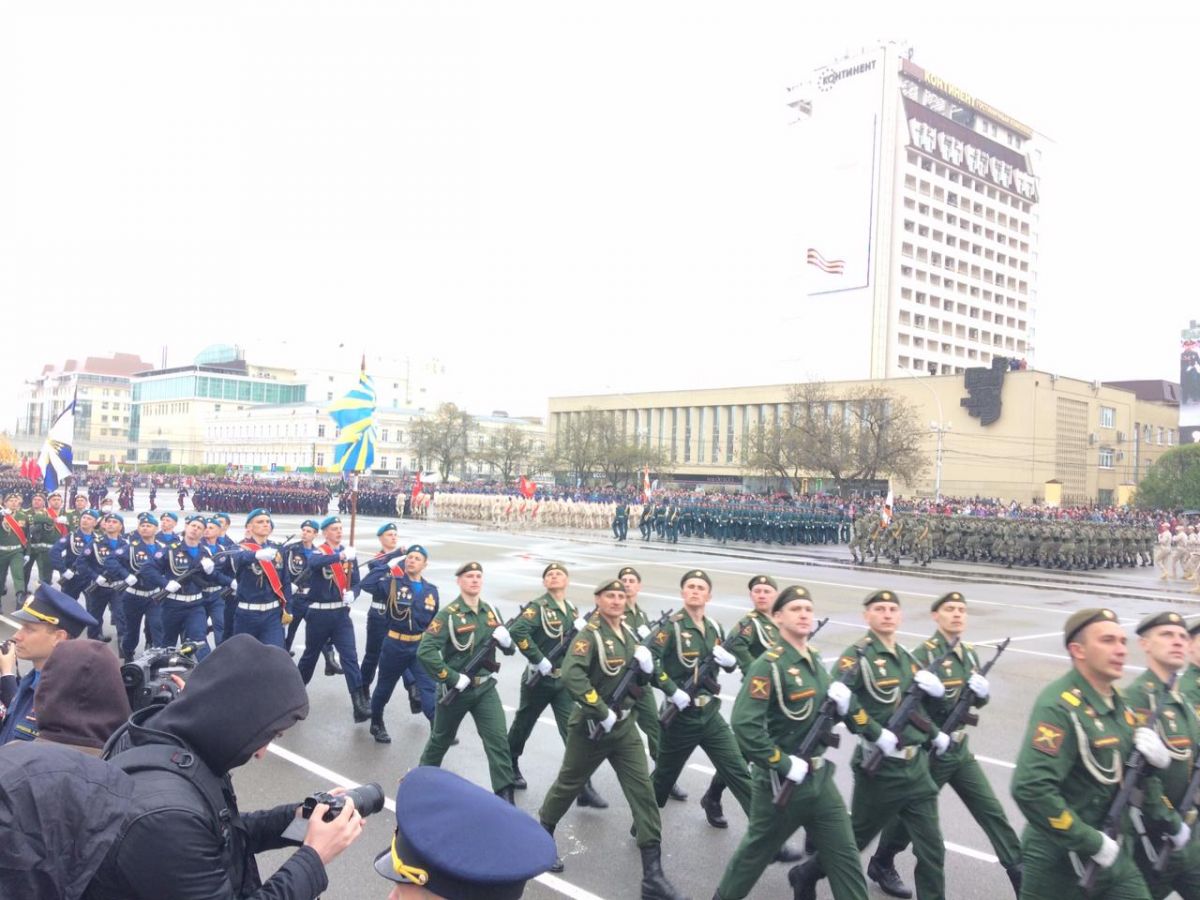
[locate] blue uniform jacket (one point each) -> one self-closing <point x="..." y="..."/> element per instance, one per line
<point x="20" y="721"/>
<point x="115" y="555"/>
<point x="253" y="586"/>
<point x="74" y="552"/>
<point x="144" y="559"/>
<point x="415" y="605"/>
<point x="322" y="587"/>
<point x="378" y="580"/>
<point x="182" y="563"/>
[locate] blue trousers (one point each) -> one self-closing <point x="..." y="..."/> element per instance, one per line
<point x="320" y="625"/>
<point x="135" y="609"/>
<point x="185" y="621"/>
<point x="377" y="628"/>
<point x="265" y="625"/>
<point x="98" y="600"/>
<point x="214" y="609"/>
<point x="397" y="658"/>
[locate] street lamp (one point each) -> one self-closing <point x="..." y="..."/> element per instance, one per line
<point x="940" y="427"/>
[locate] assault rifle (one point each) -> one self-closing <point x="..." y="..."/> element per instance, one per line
<point x="1130" y="794"/>
<point x="628" y="686"/>
<point x="193" y="571"/>
<point x="704" y="678"/>
<point x="556" y="652"/>
<point x="906" y="714"/>
<point x="1186" y="809"/>
<point x="961" y="714"/>
<point x="484" y="658"/>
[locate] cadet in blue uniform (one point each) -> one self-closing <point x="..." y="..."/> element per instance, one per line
<point x="377" y="616"/>
<point x="297" y="577"/>
<point x="111" y="554"/>
<point x="184" y="566"/>
<point x="48" y="618"/>
<point x="167" y="536"/>
<point x="72" y="558"/>
<point x="260" y="594"/>
<point x="144" y="579"/>
<point x="334" y="581"/>
<point x="412" y="603"/>
<point x="427" y="854"/>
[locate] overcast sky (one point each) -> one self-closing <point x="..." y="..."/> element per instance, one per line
<point x="550" y="198"/>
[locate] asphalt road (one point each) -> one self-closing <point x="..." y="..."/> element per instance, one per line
<point x="601" y="859"/>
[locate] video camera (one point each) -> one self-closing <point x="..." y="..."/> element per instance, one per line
<point x="148" y="678"/>
<point x="368" y="800"/>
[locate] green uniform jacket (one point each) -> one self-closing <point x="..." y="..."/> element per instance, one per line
<point x="954" y="673"/>
<point x="540" y="627"/>
<point x="8" y="537"/>
<point x="41" y="529"/>
<point x="779" y="701"/>
<point x="751" y="637"/>
<point x="1188" y="685"/>
<point x="639" y="621"/>
<point x="1177" y="726"/>
<point x="593" y="666"/>
<point x="882" y="680"/>
<point x="452" y="637"/>
<point x="678" y="647"/>
<point x="1064" y="781"/>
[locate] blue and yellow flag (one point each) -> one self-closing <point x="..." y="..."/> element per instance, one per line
<point x="354" y="415"/>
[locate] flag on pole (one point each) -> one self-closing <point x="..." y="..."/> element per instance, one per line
<point x="646" y="489"/>
<point x="56" y="457"/>
<point x="354" y="416"/>
<point x="885" y="515"/>
<point x="829" y="266"/>
<point x="527" y="488"/>
<point x="417" y="487"/>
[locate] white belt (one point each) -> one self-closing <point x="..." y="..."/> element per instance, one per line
<point x="379" y="607"/>
<point x="184" y="598"/>
<point x="138" y="593"/>
<point x="337" y="605"/>
<point x="258" y="607"/>
<point x="211" y="589"/>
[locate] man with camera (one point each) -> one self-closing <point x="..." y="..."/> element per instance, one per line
<point x="186" y="838"/>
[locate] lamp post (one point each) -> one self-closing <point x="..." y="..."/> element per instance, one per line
<point x="940" y="427"/>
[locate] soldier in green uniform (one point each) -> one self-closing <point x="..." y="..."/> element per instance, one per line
<point x="1164" y="641"/>
<point x="678" y="649"/>
<point x="538" y="630"/>
<point x="1071" y="764"/>
<point x="1189" y="678"/>
<point x="596" y="662"/>
<point x="957" y="767"/>
<point x="14" y="545"/>
<point x="777" y="705"/>
<point x="902" y="787"/>
<point x="43" y="532"/>
<point x="79" y="507"/>
<point x="451" y="639"/>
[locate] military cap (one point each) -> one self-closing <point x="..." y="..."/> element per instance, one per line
<point x="1083" y="619"/>
<point x="112" y="515"/>
<point x="12" y="494"/>
<point x="952" y="597"/>
<point x="554" y="567"/>
<point x="37" y="494"/>
<point x="167" y="514"/>
<point x="612" y="585"/>
<point x="788" y="594"/>
<point x="51" y="606"/>
<point x="1157" y="619"/>
<point x="629" y="570"/>
<point x="426" y="850"/>
<point x="884" y="596"/>
<point x="90" y="511"/>
<point x="250" y="516"/>
<point x="1194" y="628"/>
<point x="311" y="523"/>
<point x="195" y="517"/>
<point x="695" y="573"/>
<point x="147" y="517"/>
<point x="386" y="526"/>
<point x="468" y="567"/>
<point x="417" y="548"/>
<point x="329" y="520"/>
<point x="224" y="517"/>
<point x="761" y="579"/>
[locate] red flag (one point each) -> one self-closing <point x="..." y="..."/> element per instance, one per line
<point x="646" y="488"/>
<point x="24" y="466"/>
<point x="527" y="487"/>
<point x="417" y="486"/>
<point x="35" y="472"/>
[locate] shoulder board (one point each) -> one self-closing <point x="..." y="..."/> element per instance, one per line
<point x="753" y="614"/>
<point x="676" y="617"/>
<point x="932" y="645"/>
<point x="970" y="647"/>
<point x="774" y="653"/>
<point x="1071" y="699"/>
<point x="863" y="642"/>
<point x="593" y="624"/>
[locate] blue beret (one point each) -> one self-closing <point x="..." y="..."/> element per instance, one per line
<point x="212" y="520"/>
<point x="50" y="605"/>
<point x="427" y="849"/>
<point x="94" y="513"/>
<point x="311" y="523"/>
<point x="112" y="515"/>
<point x="147" y="517"/>
<point x="254" y="513"/>
<point x="386" y="526"/>
<point x="225" y="517"/>
<point x="417" y="548"/>
<point x="196" y="517"/>
<point x="329" y="520"/>
<point x="167" y="514"/>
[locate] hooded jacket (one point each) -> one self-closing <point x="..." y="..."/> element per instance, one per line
<point x="80" y="697"/>
<point x="242" y="696"/>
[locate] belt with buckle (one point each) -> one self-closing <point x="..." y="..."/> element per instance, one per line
<point x="139" y="593"/>
<point x="211" y="589"/>
<point x="906" y="754"/>
<point x="337" y="605"/>
<point x="481" y="679"/>
<point x="184" y="598"/>
<point x="379" y="607"/>
<point x="403" y="636"/>
<point x="258" y="607"/>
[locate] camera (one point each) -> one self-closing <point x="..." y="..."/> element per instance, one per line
<point x="148" y="678"/>
<point x="368" y="800"/>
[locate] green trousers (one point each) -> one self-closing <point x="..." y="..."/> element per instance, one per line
<point x="962" y="772"/>
<point x="704" y="728"/>
<point x="1050" y="873"/>
<point x="41" y="558"/>
<point x="817" y="806"/>
<point x="549" y="692"/>
<point x="12" y="562"/>
<point x="483" y="703"/>
<point x="647" y="719"/>
<point x="902" y="790"/>
<point x="624" y="751"/>
<point x="1182" y="873"/>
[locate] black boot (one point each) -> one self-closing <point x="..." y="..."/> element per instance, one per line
<point x="711" y="804"/>
<point x="332" y="666"/>
<point x="882" y="871"/>
<point x="362" y="709"/>
<point x="1014" y="875"/>
<point x="803" y="879"/>
<point x="589" y="797"/>
<point x="414" y="698"/>
<point x="379" y="732"/>
<point x="654" y="883"/>
<point x="678" y="793"/>
<point x="557" y="866"/>
<point x="519" y="781"/>
<point x="506" y="793"/>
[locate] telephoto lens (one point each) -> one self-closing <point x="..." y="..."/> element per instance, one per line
<point x="368" y="799"/>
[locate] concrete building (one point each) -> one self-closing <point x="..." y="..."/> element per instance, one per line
<point x="919" y="218"/>
<point x="1006" y="437"/>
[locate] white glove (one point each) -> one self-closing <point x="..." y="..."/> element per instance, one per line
<point x="1107" y="854"/>
<point x="930" y="684"/>
<point x="207" y="565"/>
<point x="347" y="597"/>
<point x="233" y="585"/>
<point x="55" y="577"/>
<point x="1180" y="838"/>
<point x="544" y="666"/>
<point x="101" y="581"/>
<point x="579" y="624"/>
<point x="173" y="586"/>
<point x="643" y="632"/>
<point x="25" y="558"/>
<point x="83" y="600"/>
<point x="941" y="743"/>
<point x="608" y="721"/>
<point x="61" y="520"/>
<point x="723" y="657"/>
<point x="681" y="699"/>
<point x="349" y="553"/>
<point x="840" y="694"/>
<point x="644" y="659"/>
<point x="503" y="638"/>
<point x="462" y="684"/>
<point x="887" y="742"/>
<point x="68" y="574"/>
<point x="131" y="580"/>
<point x="979" y="685"/>
<point x="266" y="554"/>
<point x="1152" y="748"/>
<point x="799" y="770"/>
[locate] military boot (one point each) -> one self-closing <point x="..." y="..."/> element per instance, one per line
<point x="803" y="879"/>
<point x="882" y="871"/>
<point x="379" y="732"/>
<point x="332" y="666"/>
<point x="711" y="804"/>
<point x="362" y="709"/>
<point x="678" y="793"/>
<point x="654" y="883"/>
<point x="1015" y="872"/>
<point x="414" y="698"/>
<point x="506" y="793"/>
<point x="589" y="797"/>
<point x="519" y="781"/>
<point x="557" y="865"/>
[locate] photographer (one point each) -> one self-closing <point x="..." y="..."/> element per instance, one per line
<point x="187" y="839"/>
<point x="80" y="698"/>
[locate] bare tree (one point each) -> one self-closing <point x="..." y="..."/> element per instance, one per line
<point x="443" y="439"/>
<point x="592" y="443"/>
<point x="509" y="452"/>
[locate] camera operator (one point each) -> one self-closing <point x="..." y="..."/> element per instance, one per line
<point x="187" y="839"/>
<point x="48" y="618"/>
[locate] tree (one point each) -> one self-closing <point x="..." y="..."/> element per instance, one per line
<point x="509" y="452"/>
<point x="1173" y="482"/>
<point x="443" y="439"/>
<point x="860" y="434"/>
<point x="592" y="443"/>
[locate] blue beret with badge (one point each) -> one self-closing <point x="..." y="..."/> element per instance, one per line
<point x="195" y="517"/>
<point x="311" y="523"/>
<point x="417" y="548"/>
<point x="167" y="514"/>
<point x="254" y="514"/>
<point x="51" y="606"/>
<point x="330" y="520"/>
<point x="117" y="516"/>
<point x="147" y="517"/>
<point x="90" y="511"/>
<point x="427" y="849"/>
<point x="386" y="526"/>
